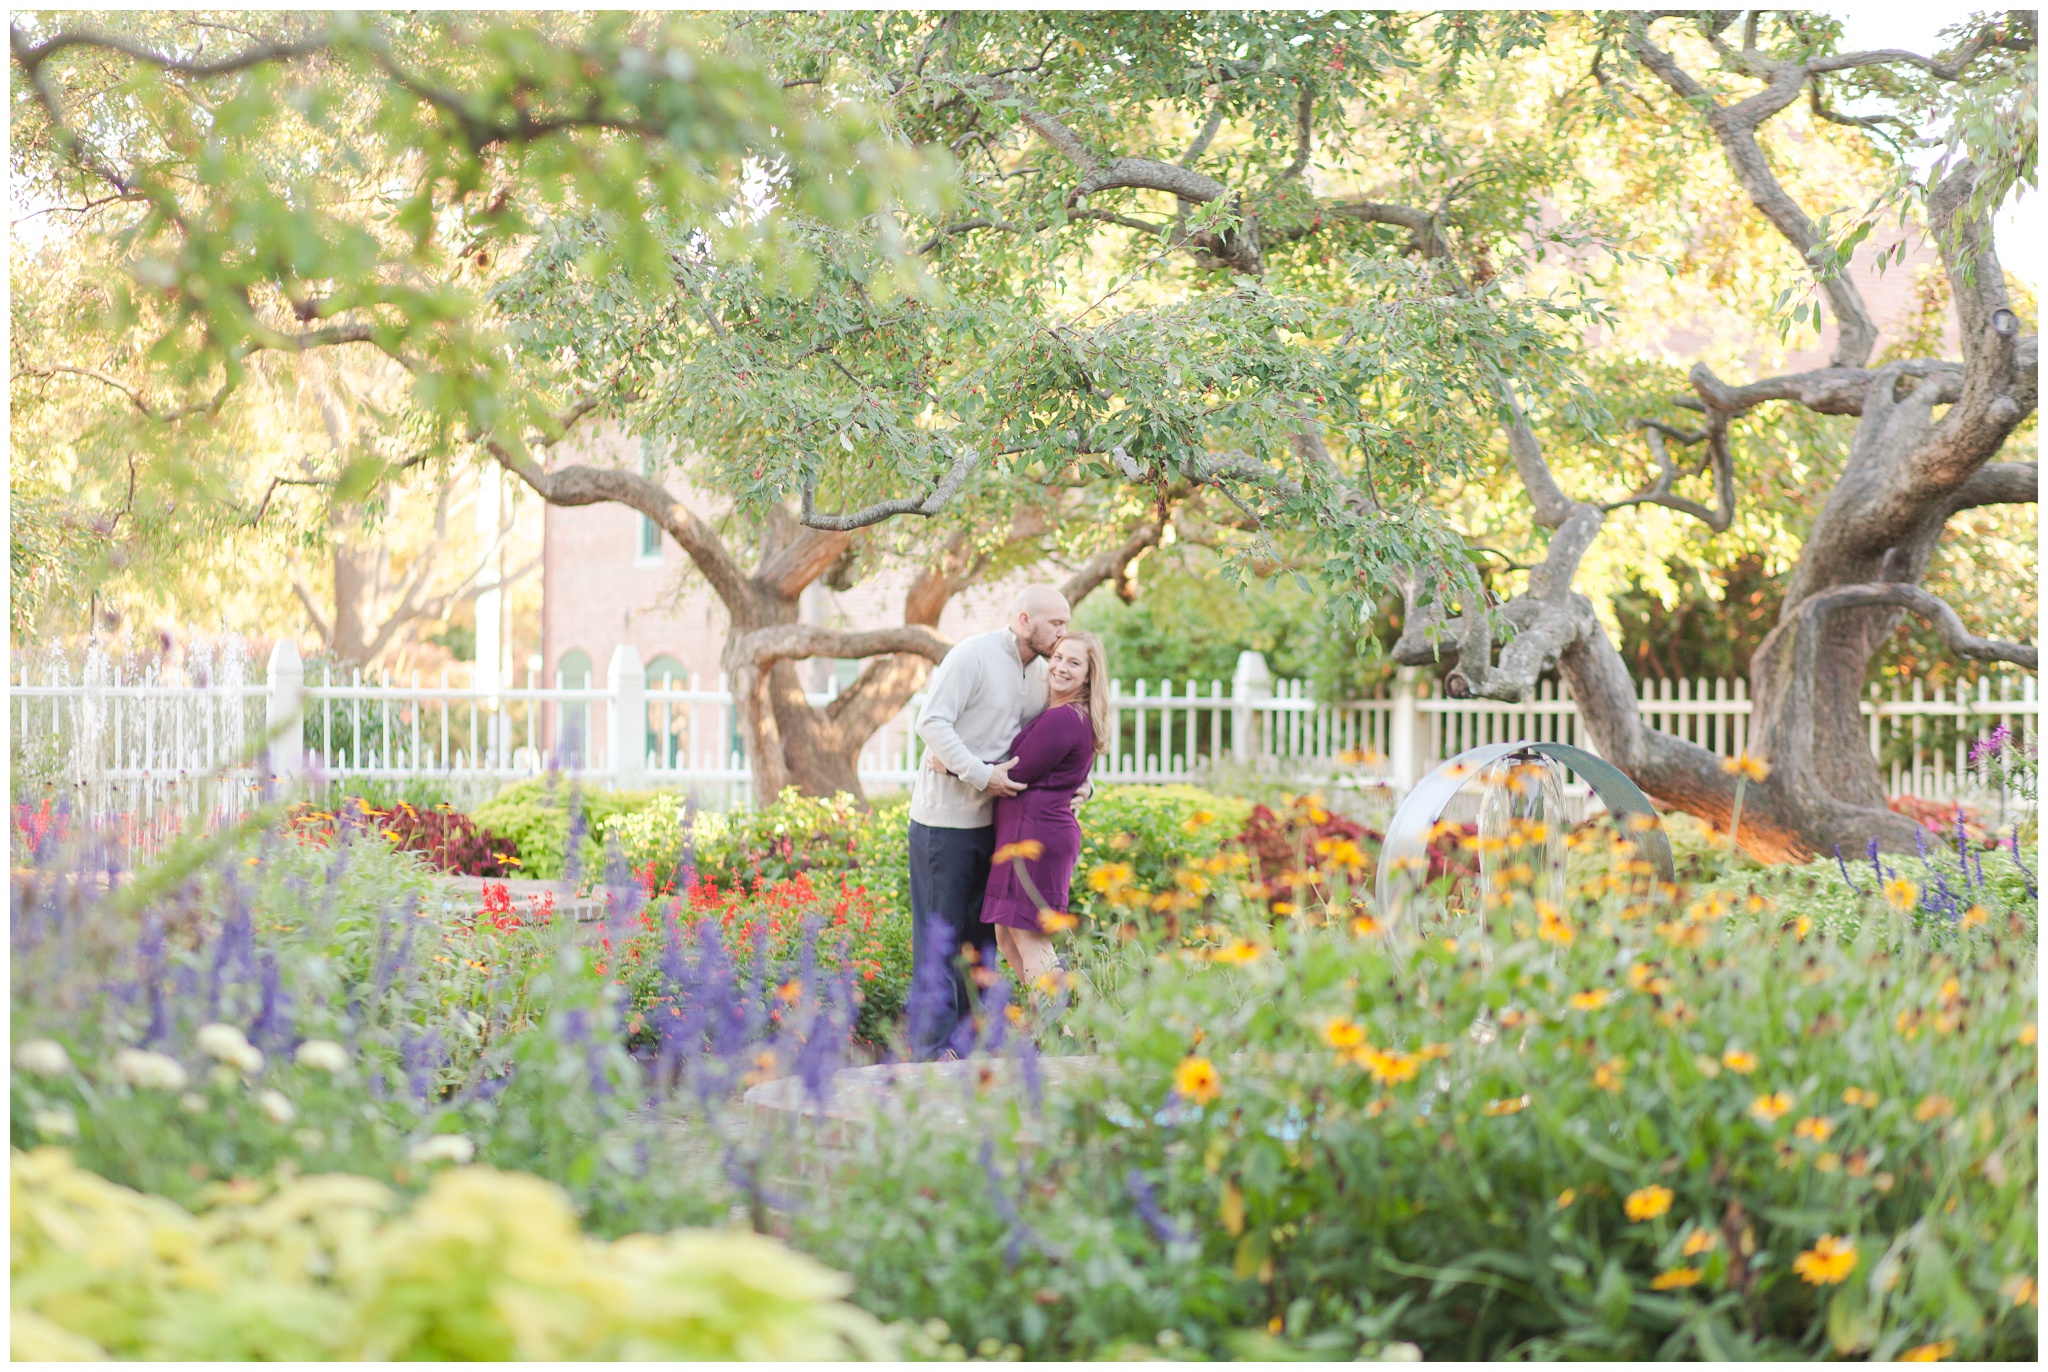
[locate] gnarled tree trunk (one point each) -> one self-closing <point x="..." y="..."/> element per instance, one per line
<point x="789" y="741"/>
<point x="1908" y="472"/>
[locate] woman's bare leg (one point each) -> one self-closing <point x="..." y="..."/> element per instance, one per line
<point x="1029" y="953"/>
<point x="1034" y="956"/>
<point x="1007" y="946"/>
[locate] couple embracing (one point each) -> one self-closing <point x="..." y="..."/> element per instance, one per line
<point x="1012" y="725"/>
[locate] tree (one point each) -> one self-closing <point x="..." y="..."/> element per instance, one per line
<point x="256" y="208"/>
<point x="1276" y="273"/>
<point x="1908" y="472"/>
<point x="995" y="398"/>
<point x="105" y="500"/>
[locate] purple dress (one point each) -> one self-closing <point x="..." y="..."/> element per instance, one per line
<point x="1054" y="753"/>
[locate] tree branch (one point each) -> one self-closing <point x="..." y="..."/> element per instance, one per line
<point x="135" y="397"/>
<point x="1204" y="136"/>
<point x="964" y="463"/>
<point x="32" y="56"/>
<point x="1829" y="390"/>
<point x="1304" y="132"/>
<point x="1143" y="173"/>
<point x="1918" y="600"/>
<point x="585" y="485"/>
<point x="1660" y="491"/>
<point x="1735" y="126"/>
<point x="1111" y="565"/>
<point x="765" y="647"/>
<point x="800" y="561"/>
<point x="1425" y="238"/>
<point x="1998" y="483"/>
<point x="320" y="624"/>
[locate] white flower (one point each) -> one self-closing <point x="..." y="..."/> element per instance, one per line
<point x="226" y="1043"/>
<point x="455" y="1148"/>
<point x="192" y="1103"/>
<point x="56" y="1124"/>
<point x="1400" y="1352"/>
<point x="276" y="1106"/>
<point x="152" y="1071"/>
<point x="42" y="1058"/>
<point x="323" y="1055"/>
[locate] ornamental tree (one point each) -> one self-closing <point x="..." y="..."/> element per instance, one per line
<point x="1926" y="432"/>
<point x="1271" y="278"/>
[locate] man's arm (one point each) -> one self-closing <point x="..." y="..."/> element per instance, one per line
<point x="951" y="687"/>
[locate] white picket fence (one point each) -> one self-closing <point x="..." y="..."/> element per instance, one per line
<point x="152" y="750"/>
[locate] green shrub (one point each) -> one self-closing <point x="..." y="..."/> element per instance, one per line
<point x="1153" y="831"/>
<point x="535" y="815"/>
<point x="1645" y="1125"/>
<point x="824" y="837"/>
<point x="773" y="930"/>
<point x="799" y="859"/>
<point x="224" y="975"/>
<point x="486" y="1265"/>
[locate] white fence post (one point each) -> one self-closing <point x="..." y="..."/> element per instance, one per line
<point x="284" y="713"/>
<point x="628" y="682"/>
<point x="1404" y="753"/>
<point x="146" y="745"/>
<point x="1252" y="682"/>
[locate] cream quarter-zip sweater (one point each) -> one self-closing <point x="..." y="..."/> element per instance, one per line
<point x="980" y="697"/>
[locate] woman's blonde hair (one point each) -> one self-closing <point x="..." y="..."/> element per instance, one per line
<point x="1095" y="691"/>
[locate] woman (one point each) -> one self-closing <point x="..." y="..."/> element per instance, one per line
<point x="1053" y="756"/>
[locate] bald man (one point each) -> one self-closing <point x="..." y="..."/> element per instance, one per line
<point x="988" y="688"/>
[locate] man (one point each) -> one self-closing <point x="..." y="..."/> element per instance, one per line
<point x="987" y="689"/>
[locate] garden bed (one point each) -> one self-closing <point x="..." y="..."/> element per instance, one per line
<point x="1777" y="1113"/>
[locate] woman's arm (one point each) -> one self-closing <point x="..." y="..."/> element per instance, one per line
<point x="1048" y="744"/>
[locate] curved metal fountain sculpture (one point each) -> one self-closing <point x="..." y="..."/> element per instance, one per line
<point x="1512" y="794"/>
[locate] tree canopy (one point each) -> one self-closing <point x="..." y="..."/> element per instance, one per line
<point x="1397" y="300"/>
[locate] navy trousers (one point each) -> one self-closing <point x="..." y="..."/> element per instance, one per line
<point x="948" y="874"/>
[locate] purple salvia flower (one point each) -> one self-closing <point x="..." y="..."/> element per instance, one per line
<point x="273" y="1025"/>
<point x="1021" y="1231"/>
<point x="819" y="1057"/>
<point x="670" y="1028"/>
<point x="962" y="1041"/>
<point x="579" y="825"/>
<point x="2018" y="862"/>
<point x="746" y="1175"/>
<point x="576" y="1026"/>
<point x="576" y="1030"/>
<point x="1027" y="1064"/>
<point x="754" y="1004"/>
<point x="998" y="1022"/>
<point x="1947" y="903"/>
<point x="422" y="1056"/>
<point x="686" y="861"/>
<point x="931" y="986"/>
<point x="1845" y="871"/>
<point x="380" y="979"/>
<point x="1147" y="1203"/>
